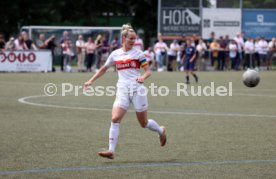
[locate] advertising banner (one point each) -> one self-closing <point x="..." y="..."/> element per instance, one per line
<point x="179" y="21"/>
<point x="222" y="21"/>
<point x="259" y="22"/>
<point x="26" y="61"/>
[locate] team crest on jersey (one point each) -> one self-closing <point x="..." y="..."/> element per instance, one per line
<point x="133" y="64"/>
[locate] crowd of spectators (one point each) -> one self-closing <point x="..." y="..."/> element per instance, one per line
<point x="220" y="53"/>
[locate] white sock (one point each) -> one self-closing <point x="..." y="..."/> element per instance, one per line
<point x="154" y="126"/>
<point x="113" y="136"/>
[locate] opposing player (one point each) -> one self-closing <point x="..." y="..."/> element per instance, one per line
<point x="189" y="59"/>
<point x="128" y="61"/>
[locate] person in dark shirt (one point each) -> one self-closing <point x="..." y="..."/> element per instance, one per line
<point x="51" y="45"/>
<point x="28" y="41"/>
<point x="189" y="61"/>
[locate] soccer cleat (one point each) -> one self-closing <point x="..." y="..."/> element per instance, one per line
<point x="196" y="79"/>
<point x="106" y="154"/>
<point x="163" y="137"/>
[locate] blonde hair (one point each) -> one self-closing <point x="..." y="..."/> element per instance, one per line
<point x="125" y="29"/>
<point x="98" y="38"/>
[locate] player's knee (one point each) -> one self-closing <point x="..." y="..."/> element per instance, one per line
<point x="116" y="119"/>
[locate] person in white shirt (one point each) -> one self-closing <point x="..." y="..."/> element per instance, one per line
<point x="149" y="54"/>
<point x="201" y="49"/>
<point x="233" y="53"/>
<point x="172" y="55"/>
<point x="68" y="52"/>
<point x="139" y="44"/>
<point x="80" y="44"/>
<point x="160" y="49"/>
<point x="128" y="62"/>
<point x="240" y="42"/>
<point x="20" y="43"/>
<point x="263" y="49"/>
<point x="249" y="51"/>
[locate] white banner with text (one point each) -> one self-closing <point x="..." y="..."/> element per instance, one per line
<point x="222" y="21"/>
<point x="27" y="61"/>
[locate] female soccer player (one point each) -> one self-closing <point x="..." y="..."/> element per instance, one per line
<point x="128" y="61"/>
<point x="189" y="61"/>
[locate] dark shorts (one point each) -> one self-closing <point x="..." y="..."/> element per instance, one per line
<point x="189" y="65"/>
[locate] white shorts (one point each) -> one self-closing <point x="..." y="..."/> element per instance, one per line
<point x="123" y="100"/>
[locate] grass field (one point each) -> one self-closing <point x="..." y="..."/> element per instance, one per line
<point x="208" y="137"/>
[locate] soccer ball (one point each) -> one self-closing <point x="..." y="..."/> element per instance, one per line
<point x="251" y="78"/>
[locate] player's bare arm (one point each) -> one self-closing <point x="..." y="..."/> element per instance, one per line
<point x="97" y="75"/>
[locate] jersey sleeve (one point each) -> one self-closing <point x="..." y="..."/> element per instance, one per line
<point x="143" y="60"/>
<point x="110" y="60"/>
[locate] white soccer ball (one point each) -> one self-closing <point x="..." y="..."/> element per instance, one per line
<point x="251" y="78"/>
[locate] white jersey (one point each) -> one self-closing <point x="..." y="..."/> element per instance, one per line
<point x="127" y="64"/>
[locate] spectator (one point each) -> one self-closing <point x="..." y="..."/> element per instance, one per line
<point x="233" y="54"/>
<point x="68" y="53"/>
<point x="149" y="54"/>
<point x="41" y="42"/>
<point x="227" y="58"/>
<point x="2" y="42"/>
<point x="201" y="49"/>
<point x="90" y="51"/>
<point x="256" y="54"/>
<point x="51" y="45"/>
<point x="139" y="44"/>
<point x="80" y="44"/>
<point x="249" y="51"/>
<point x="211" y="39"/>
<point x="272" y="52"/>
<point x="180" y="54"/>
<point x="160" y="49"/>
<point x="105" y="50"/>
<point x="115" y="44"/>
<point x="215" y="48"/>
<point x="10" y="45"/>
<point x="48" y="44"/>
<point x="222" y="56"/>
<point x="28" y="41"/>
<point x="263" y="49"/>
<point x="172" y="55"/>
<point x="20" y="43"/>
<point x="61" y="41"/>
<point x="99" y="45"/>
<point x="240" y="42"/>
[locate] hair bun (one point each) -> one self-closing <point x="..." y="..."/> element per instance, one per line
<point x="126" y="27"/>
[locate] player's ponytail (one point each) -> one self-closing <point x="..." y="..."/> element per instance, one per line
<point x="125" y="29"/>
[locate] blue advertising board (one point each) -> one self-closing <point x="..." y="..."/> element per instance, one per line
<point x="259" y="22"/>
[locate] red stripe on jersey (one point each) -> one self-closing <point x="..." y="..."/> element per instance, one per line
<point x="125" y="64"/>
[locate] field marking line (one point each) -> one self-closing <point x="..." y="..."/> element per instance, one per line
<point x="239" y="94"/>
<point x="145" y="165"/>
<point x="24" y="101"/>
